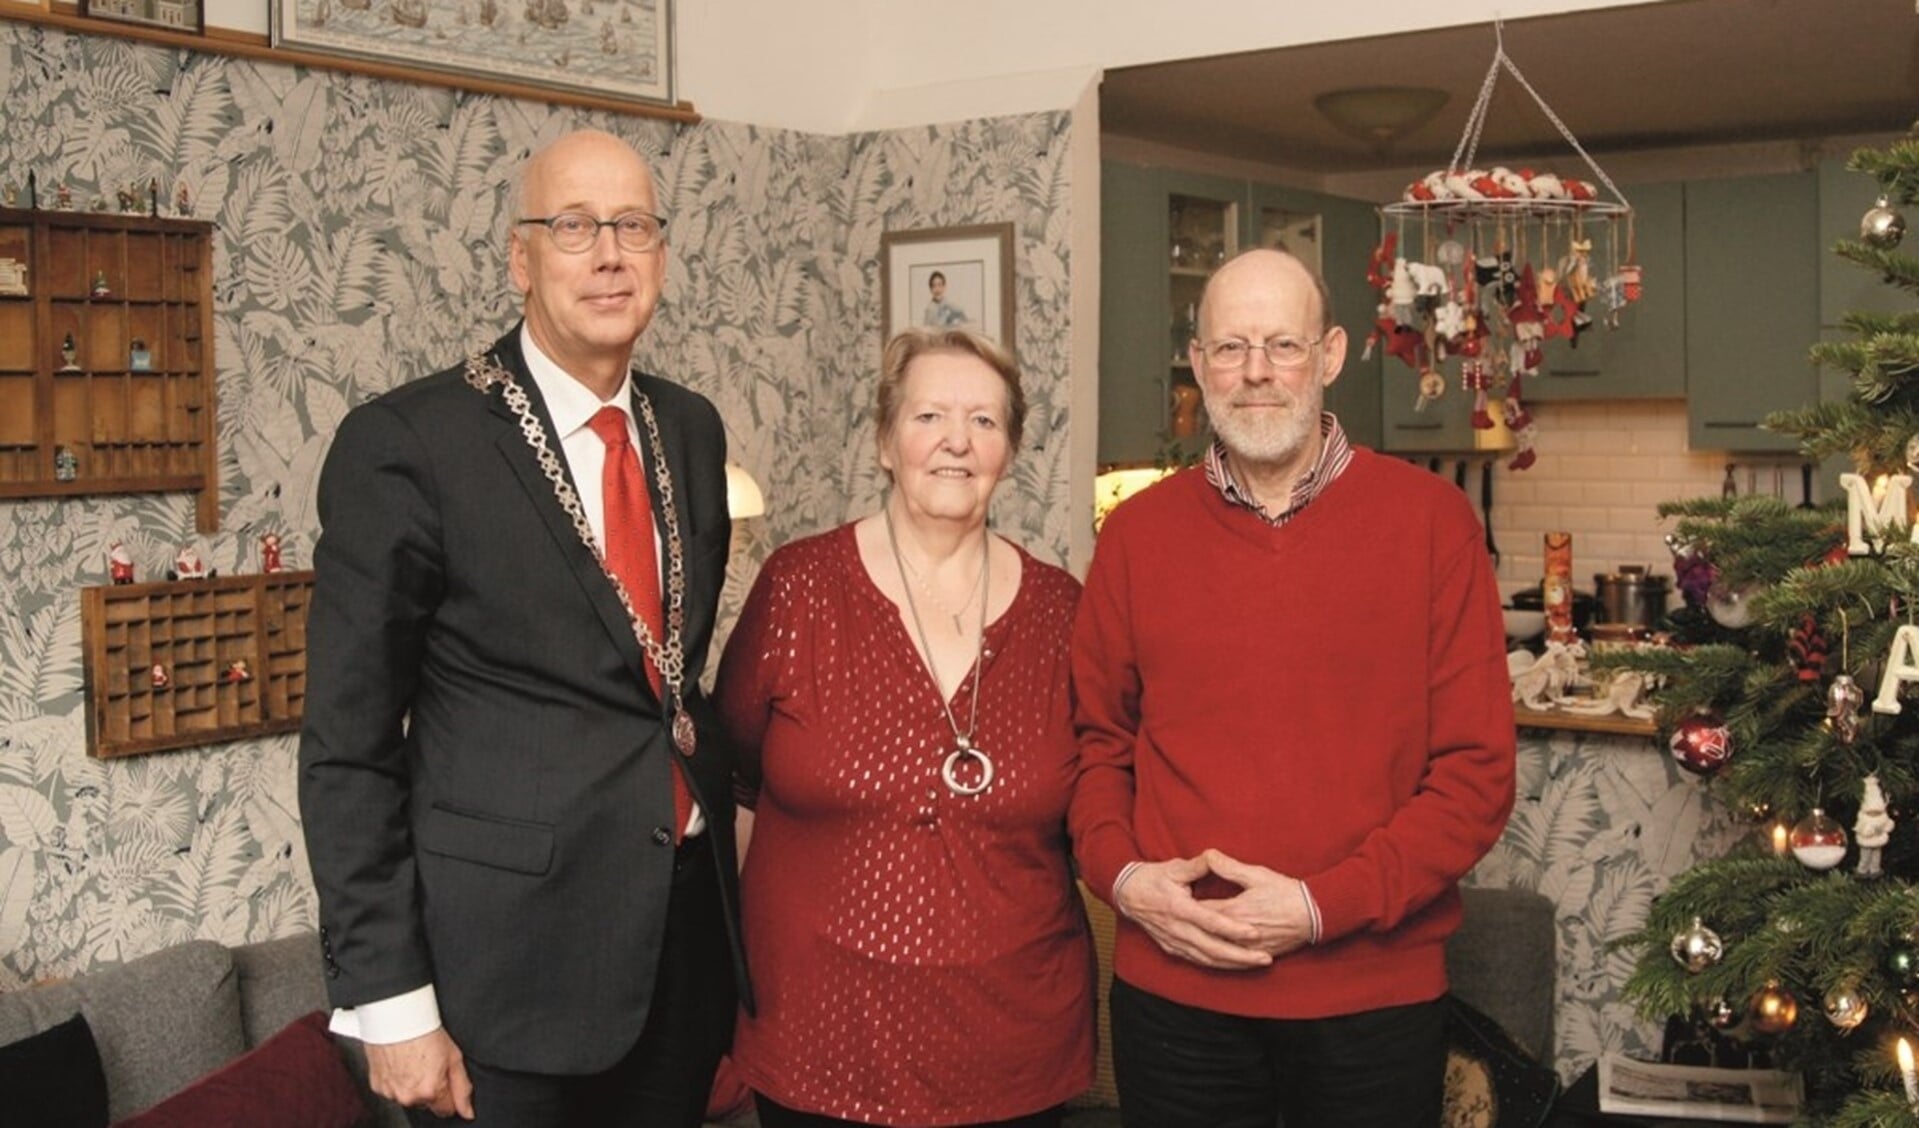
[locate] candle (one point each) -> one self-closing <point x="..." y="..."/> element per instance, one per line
<point x="1779" y="840"/>
<point x="1909" y="1074"/>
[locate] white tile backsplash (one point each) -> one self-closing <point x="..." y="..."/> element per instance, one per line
<point x="1603" y="469"/>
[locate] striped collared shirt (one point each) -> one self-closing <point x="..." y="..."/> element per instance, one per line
<point x="1335" y="454"/>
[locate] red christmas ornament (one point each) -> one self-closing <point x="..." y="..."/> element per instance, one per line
<point x="1702" y="743"/>
<point x="1809" y="649"/>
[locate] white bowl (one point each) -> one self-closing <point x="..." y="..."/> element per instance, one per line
<point x="1523" y="626"/>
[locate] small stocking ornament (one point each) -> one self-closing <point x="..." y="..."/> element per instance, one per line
<point x="1475" y="378"/>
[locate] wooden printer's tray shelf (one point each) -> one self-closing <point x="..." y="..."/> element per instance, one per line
<point x="194" y="631"/>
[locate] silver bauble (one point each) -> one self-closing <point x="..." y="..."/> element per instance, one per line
<point x="1881" y="226"/>
<point x="1721" y="1014"/>
<point x="1845" y="1007"/>
<point x="1697" y="948"/>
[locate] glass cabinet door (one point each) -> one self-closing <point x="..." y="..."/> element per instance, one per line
<point x="1201" y="233"/>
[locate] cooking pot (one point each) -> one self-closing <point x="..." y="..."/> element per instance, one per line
<point x="1585" y="607"/>
<point x="1631" y="596"/>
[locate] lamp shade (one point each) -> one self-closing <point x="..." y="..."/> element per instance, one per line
<point x="1380" y="114"/>
<point x="743" y="497"/>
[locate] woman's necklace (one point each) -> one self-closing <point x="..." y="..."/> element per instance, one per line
<point x="949" y="770"/>
<point x="932" y="597"/>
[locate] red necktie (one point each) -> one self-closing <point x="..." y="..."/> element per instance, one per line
<point x="631" y="557"/>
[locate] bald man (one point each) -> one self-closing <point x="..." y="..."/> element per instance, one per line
<point x="1296" y="736"/>
<point x="516" y="800"/>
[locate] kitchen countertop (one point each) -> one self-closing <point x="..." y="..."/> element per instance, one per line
<point x="1572" y="722"/>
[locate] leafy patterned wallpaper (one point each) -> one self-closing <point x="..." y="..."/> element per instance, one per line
<point x="358" y="246"/>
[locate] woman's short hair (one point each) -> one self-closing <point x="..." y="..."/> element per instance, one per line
<point x="909" y="345"/>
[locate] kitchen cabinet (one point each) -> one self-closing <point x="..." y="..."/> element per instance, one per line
<point x="1752" y="306"/>
<point x="1645" y="357"/>
<point x="1163" y="231"/>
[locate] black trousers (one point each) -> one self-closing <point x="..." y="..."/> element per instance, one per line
<point x="665" y="1079"/>
<point x="1183" y="1067"/>
<point x="779" y="1116"/>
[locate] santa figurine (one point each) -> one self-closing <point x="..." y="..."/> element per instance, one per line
<point x="237" y="671"/>
<point x="119" y="563"/>
<point x="159" y="677"/>
<point x="270" y="552"/>
<point x="187" y="564"/>
<point x="1873" y="828"/>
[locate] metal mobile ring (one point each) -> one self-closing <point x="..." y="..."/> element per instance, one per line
<point x="953" y="760"/>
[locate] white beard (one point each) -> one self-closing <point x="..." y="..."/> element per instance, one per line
<point x="1260" y="435"/>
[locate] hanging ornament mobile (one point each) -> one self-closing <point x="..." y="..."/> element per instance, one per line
<point x="1491" y="264"/>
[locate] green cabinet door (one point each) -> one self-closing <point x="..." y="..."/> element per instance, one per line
<point x="1645" y="357"/>
<point x="1752" y="306"/>
<point x="1338" y="234"/>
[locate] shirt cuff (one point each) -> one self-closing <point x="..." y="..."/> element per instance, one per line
<point x="1312" y="912"/>
<point x="1125" y="872"/>
<point x="385" y="1021"/>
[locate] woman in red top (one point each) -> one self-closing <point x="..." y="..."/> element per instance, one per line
<point x="898" y="689"/>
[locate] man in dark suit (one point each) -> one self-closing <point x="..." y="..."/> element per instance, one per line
<point x="502" y="701"/>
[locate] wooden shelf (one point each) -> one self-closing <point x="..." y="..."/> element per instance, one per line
<point x="193" y="631"/>
<point x="95" y="424"/>
<point x="1571" y="722"/>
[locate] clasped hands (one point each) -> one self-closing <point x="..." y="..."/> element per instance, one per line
<point x="1265" y="920"/>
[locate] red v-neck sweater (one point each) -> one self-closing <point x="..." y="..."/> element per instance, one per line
<point x="1327" y="698"/>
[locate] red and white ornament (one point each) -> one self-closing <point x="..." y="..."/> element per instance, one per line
<point x="1702" y="743"/>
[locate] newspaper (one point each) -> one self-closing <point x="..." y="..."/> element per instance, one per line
<point x="1746" y="1096"/>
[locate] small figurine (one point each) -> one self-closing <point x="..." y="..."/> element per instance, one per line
<point x="99" y="203"/>
<point x="153" y="197"/>
<point x="13" y="277"/>
<point x="69" y="351"/>
<point x="182" y="204"/>
<point x="66" y="464"/>
<point x="159" y="677"/>
<point x="270" y="552"/>
<point x="1873" y="829"/>
<point x="128" y="198"/>
<point x="187" y="564"/>
<point x="11" y="195"/>
<point x="63" y="198"/>
<point x="237" y="672"/>
<point x="100" y="289"/>
<point x="138" y="358"/>
<point x="119" y="563"/>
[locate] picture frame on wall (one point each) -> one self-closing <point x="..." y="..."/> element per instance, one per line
<point x="185" y="16"/>
<point x="620" y="50"/>
<point x="946" y="277"/>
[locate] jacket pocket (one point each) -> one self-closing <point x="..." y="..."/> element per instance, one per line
<point x="508" y="844"/>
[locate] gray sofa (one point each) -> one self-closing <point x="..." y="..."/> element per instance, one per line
<point x="166" y="1019"/>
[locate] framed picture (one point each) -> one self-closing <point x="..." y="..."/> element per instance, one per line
<point x="616" y="49"/>
<point x="173" y="15"/>
<point x="944" y="277"/>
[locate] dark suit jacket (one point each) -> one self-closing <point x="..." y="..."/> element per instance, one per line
<point x="483" y="767"/>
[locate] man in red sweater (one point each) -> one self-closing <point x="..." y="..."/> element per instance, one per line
<point x="1296" y="735"/>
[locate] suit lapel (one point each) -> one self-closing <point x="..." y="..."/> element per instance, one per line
<point x="525" y="465"/>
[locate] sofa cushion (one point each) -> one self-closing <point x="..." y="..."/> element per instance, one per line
<point x="280" y="980"/>
<point x="294" y="1079"/>
<point x="159" y="1021"/>
<point x="1490" y="1079"/>
<point x="53" y="1079"/>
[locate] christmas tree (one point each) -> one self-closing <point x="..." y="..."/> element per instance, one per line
<point x="1800" y="630"/>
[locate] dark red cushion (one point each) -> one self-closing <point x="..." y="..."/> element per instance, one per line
<point x="294" y="1079"/>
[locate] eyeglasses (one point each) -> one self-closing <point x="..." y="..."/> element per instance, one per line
<point x="1282" y="352"/>
<point x="575" y="232"/>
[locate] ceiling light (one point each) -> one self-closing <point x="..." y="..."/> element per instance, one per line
<point x="1380" y="115"/>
